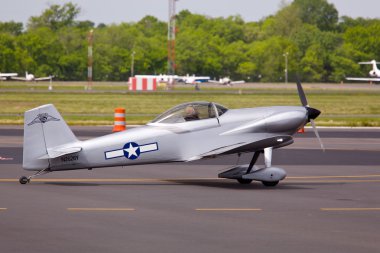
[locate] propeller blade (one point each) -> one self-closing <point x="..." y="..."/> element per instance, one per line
<point x="301" y="94"/>
<point x="317" y="134"/>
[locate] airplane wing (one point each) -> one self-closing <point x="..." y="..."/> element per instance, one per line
<point x="18" y="78"/>
<point x="275" y="142"/>
<point x="237" y="82"/>
<point x="213" y="81"/>
<point x="8" y="74"/>
<point x="367" y="79"/>
<point x="43" y="78"/>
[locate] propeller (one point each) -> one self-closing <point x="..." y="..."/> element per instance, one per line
<point x="312" y="113"/>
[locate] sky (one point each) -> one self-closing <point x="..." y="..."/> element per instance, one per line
<point x="117" y="11"/>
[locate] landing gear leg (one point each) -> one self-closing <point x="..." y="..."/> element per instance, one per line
<point x="253" y="161"/>
<point x="24" y="179"/>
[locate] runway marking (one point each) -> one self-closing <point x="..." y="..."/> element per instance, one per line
<point x="320" y="177"/>
<point x="334" y="181"/>
<point x="228" y="209"/>
<point x="297" y="179"/>
<point x="79" y="209"/>
<point x="351" y="209"/>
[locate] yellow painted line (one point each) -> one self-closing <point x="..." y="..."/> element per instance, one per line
<point x="228" y="209"/>
<point x="320" y="177"/>
<point x="333" y="181"/>
<point x="8" y="180"/>
<point x="78" y="209"/>
<point x="351" y="209"/>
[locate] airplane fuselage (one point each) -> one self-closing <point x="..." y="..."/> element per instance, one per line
<point x="161" y="143"/>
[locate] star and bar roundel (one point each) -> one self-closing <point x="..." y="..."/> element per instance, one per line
<point x="131" y="150"/>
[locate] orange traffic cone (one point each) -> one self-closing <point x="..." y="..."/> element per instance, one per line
<point x="301" y="130"/>
<point x="119" y="123"/>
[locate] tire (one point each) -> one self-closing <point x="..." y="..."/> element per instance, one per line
<point x="244" y="181"/>
<point x="270" y="184"/>
<point x="23" y="180"/>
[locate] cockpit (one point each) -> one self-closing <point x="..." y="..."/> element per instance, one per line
<point x="191" y="112"/>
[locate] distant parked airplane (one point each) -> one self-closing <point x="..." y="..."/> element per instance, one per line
<point x="31" y="77"/>
<point x="226" y="81"/>
<point x="374" y="73"/>
<point x="193" y="79"/>
<point x="186" y="79"/>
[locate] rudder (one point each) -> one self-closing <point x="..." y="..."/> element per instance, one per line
<point x="44" y="128"/>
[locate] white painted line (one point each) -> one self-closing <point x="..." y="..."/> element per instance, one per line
<point x="78" y="209"/>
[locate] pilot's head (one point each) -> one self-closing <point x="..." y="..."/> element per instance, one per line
<point x="190" y="112"/>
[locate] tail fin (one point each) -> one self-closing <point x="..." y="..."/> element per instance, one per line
<point x="44" y="128"/>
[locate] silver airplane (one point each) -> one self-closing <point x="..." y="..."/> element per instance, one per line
<point x="187" y="132"/>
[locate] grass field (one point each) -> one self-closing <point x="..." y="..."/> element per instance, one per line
<point x="339" y="108"/>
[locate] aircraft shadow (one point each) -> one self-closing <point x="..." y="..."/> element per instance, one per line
<point x="208" y="183"/>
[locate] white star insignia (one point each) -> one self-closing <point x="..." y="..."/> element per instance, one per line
<point x="131" y="150"/>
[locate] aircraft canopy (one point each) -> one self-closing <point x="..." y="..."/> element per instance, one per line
<point x="190" y="112"/>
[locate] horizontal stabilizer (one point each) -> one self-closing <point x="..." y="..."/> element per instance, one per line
<point x="363" y="79"/>
<point x="54" y="153"/>
<point x="368" y="62"/>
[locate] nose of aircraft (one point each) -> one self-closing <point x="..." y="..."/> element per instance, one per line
<point x="312" y="113"/>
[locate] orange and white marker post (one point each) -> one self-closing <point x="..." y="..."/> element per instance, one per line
<point x="119" y="123"/>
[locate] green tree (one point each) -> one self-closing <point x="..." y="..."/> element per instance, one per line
<point x="313" y="64"/>
<point x="318" y="12"/>
<point x="365" y="39"/>
<point x="8" y="54"/>
<point x="14" y="28"/>
<point x="55" y="17"/>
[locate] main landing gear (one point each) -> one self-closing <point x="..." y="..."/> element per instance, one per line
<point x="244" y="174"/>
<point x="25" y="180"/>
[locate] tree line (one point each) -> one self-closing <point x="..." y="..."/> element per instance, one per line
<point x="319" y="45"/>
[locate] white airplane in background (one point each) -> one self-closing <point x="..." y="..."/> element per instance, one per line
<point x="194" y="79"/>
<point x="169" y="78"/>
<point x="4" y="76"/>
<point x="226" y="81"/>
<point x="374" y="73"/>
<point x="31" y="77"/>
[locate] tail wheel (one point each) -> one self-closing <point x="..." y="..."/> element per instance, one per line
<point x="244" y="181"/>
<point x="270" y="184"/>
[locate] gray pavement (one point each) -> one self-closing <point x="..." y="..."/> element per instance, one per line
<point x="328" y="203"/>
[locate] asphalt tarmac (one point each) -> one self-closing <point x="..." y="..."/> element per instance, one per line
<point x="328" y="203"/>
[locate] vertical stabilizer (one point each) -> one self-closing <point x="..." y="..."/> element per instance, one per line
<point x="374" y="66"/>
<point x="44" y="128"/>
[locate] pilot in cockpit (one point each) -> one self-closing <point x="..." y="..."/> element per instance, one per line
<point x="191" y="113"/>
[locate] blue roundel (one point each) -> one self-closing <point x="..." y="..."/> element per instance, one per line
<point x="131" y="150"/>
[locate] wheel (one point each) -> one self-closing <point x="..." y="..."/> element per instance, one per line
<point x="244" y="181"/>
<point x="23" y="180"/>
<point x="271" y="184"/>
